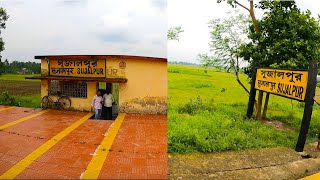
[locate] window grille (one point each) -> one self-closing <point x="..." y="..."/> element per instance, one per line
<point x="54" y="87"/>
<point x="77" y="89"/>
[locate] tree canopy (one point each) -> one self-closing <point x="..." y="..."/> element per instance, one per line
<point x="288" y="38"/>
<point x="15" y="67"/>
<point x="226" y="37"/>
<point x="174" y="32"/>
<point x="3" y="18"/>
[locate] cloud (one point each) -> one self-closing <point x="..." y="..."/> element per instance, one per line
<point x="115" y="21"/>
<point x="193" y="16"/>
<point x="11" y="3"/>
<point x="44" y="27"/>
<point x="71" y="2"/>
<point x="114" y="28"/>
<point x="120" y="36"/>
<point x="161" y="4"/>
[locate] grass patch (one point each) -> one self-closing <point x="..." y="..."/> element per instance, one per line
<point x="30" y="101"/>
<point x="219" y="131"/>
<point x="205" y="126"/>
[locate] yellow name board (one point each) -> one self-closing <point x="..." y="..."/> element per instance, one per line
<point x="78" y="68"/>
<point x="291" y="84"/>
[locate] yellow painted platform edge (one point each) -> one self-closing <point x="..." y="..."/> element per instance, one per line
<point x="312" y="177"/>
<point x="7" y="108"/>
<point x="24" y="163"/>
<point x="93" y="169"/>
<point x="22" y="119"/>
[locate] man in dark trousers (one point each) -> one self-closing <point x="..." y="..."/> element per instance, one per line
<point x="107" y="102"/>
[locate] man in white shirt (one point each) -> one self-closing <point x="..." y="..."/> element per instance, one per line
<point x="107" y="101"/>
<point x="97" y="105"/>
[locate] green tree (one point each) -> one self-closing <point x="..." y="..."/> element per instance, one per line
<point x="174" y="32"/>
<point x="250" y="9"/>
<point x="3" y="18"/>
<point x="226" y="38"/>
<point x="281" y="21"/>
<point x="209" y="61"/>
<point x="288" y="38"/>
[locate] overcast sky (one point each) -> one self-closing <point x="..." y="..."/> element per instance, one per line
<point x="55" y="27"/>
<point x="193" y="16"/>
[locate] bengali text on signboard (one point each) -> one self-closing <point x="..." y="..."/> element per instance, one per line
<point x="291" y="84"/>
<point x="78" y="68"/>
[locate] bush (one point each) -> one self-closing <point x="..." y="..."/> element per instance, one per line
<point x="173" y="71"/>
<point x="222" y="130"/>
<point x="201" y="85"/>
<point x="193" y="106"/>
<point x="9" y="100"/>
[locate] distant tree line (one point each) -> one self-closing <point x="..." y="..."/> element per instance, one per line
<point x="183" y="63"/>
<point x="16" y="67"/>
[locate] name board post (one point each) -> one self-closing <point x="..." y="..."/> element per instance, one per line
<point x="307" y="113"/>
<point x="252" y="94"/>
<point x="297" y="85"/>
<point x="265" y="108"/>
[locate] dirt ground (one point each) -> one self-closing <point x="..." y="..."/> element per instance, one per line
<point x="269" y="163"/>
<point x="19" y="88"/>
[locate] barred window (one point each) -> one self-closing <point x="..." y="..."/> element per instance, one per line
<point x="54" y="87"/>
<point x="77" y="89"/>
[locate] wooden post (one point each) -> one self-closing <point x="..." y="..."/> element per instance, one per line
<point x="260" y="98"/>
<point x="307" y="113"/>
<point x="265" y="108"/>
<point x="252" y="95"/>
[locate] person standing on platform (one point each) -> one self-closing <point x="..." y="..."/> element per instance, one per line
<point x="97" y="105"/>
<point x="108" y="101"/>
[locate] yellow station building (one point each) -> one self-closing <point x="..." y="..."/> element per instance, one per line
<point x="138" y="84"/>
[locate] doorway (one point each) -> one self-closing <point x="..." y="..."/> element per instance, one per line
<point x="114" y="89"/>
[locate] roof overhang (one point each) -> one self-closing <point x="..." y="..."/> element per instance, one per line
<point x="108" y="80"/>
<point x="75" y="57"/>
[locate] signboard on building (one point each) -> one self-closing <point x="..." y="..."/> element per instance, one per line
<point x="78" y="68"/>
<point x="116" y="69"/>
<point x="291" y="84"/>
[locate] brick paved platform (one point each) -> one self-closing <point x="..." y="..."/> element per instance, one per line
<point x="63" y="144"/>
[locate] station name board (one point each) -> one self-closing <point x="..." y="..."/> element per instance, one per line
<point x="78" y="68"/>
<point x="291" y="84"/>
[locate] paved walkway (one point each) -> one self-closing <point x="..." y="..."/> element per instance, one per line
<point x="144" y="154"/>
<point x="269" y="163"/>
<point x="62" y="144"/>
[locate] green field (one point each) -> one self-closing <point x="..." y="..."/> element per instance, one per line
<point x="19" y="77"/>
<point x="25" y="91"/>
<point x="206" y="113"/>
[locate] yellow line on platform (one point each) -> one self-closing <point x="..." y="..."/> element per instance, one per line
<point x="7" y="108"/>
<point x="312" y="177"/>
<point x="22" y="119"/>
<point x="24" y="163"/>
<point x="96" y="163"/>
